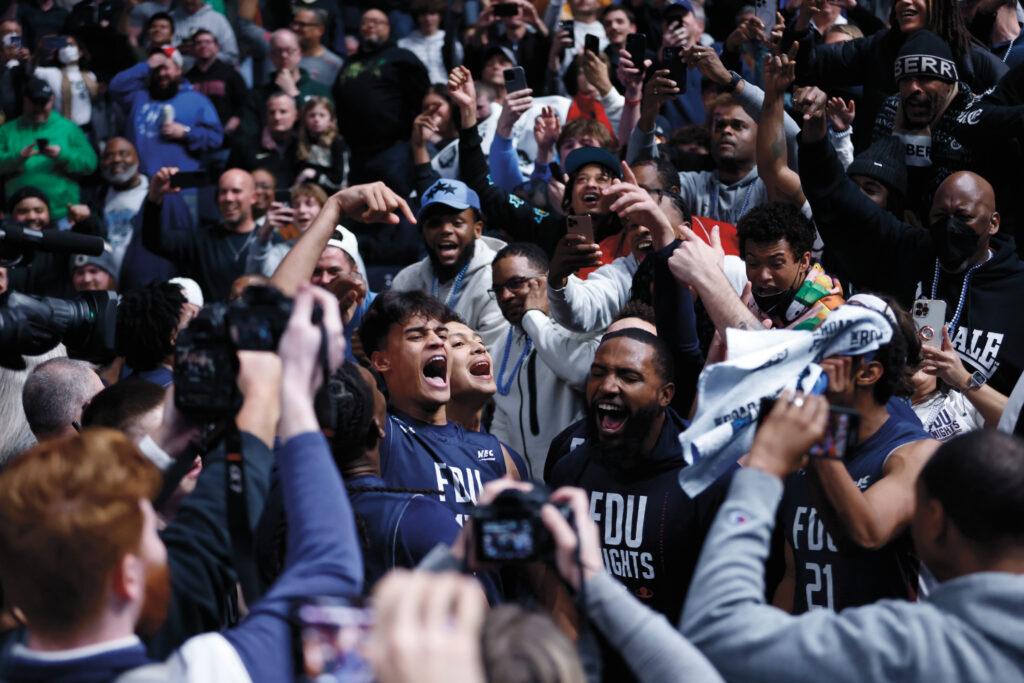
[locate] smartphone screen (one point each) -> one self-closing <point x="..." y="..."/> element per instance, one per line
<point x="840" y="434"/>
<point x="556" y="171"/>
<point x="334" y="640"/>
<point x="283" y="196"/>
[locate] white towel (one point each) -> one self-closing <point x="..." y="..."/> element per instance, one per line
<point x="761" y="365"/>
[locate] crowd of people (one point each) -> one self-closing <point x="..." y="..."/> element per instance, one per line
<point x="511" y="340"/>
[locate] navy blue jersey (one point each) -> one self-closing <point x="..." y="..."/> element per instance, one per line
<point x="444" y="458"/>
<point x="397" y="528"/>
<point x="651" y="531"/>
<point x="834" y="578"/>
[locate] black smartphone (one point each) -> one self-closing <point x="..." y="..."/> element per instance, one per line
<point x="580" y="225"/>
<point x="506" y="9"/>
<point x="568" y="25"/>
<point x="186" y="179"/>
<point x="55" y="42"/>
<point x="42" y="142"/>
<point x="636" y="45"/>
<point x="556" y="171"/>
<point x="515" y="79"/>
<point x="283" y="196"/>
<point x="672" y="59"/>
<point x="592" y="43"/>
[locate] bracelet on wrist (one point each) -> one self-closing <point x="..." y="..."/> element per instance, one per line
<point x="634" y="103"/>
<point x="838" y="135"/>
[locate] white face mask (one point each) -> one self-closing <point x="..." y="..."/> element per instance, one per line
<point x="68" y="54"/>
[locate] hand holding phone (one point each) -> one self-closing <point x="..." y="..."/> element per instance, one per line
<point x="568" y="25"/>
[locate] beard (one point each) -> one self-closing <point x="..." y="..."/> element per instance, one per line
<point x="446" y="273"/>
<point x="156" y="600"/>
<point x="626" y="452"/>
<point x="122" y="178"/>
<point x="158" y="92"/>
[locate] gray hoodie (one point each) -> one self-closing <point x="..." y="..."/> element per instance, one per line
<point x="472" y="302"/>
<point x="970" y="629"/>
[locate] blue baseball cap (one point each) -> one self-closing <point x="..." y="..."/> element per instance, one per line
<point x="451" y="193"/>
<point x="581" y="156"/>
<point x="680" y="7"/>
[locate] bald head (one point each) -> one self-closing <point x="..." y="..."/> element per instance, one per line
<point x="55" y="394"/>
<point x="236" y="192"/>
<point x="969" y="198"/>
<point x="284" y="49"/>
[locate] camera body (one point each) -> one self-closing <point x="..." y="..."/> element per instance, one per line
<point x="205" y="353"/>
<point x="510" y="530"/>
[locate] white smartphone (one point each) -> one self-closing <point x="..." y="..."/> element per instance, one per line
<point x="930" y="316"/>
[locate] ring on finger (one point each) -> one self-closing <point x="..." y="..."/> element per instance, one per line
<point x="798" y="401"/>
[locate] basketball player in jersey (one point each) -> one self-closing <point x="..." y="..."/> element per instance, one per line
<point x="404" y="335"/>
<point x="846" y="521"/>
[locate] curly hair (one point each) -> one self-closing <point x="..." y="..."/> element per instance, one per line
<point x="773" y="221"/>
<point x="147" y="322"/>
<point x="899" y="357"/>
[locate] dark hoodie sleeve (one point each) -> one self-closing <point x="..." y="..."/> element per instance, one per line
<point x="884" y="253"/>
<point x="516" y="216"/>
<point x="677" y="325"/>
<point x="839" y="64"/>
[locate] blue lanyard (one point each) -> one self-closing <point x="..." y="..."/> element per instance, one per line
<point x="746" y="202"/>
<point x="453" y="295"/>
<point x="503" y="386"/>
<point x="963" y="293"/>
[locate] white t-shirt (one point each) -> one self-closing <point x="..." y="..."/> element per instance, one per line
<point x="119" y="210"/>
<point x="81" y="103"/>
<point x="945" y="415"/>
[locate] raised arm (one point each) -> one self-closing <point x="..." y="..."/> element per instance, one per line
<point x="322" y="557"/>
<point x="698" y="265"/>
<point x="782" y="182"/>
<point x="370" y="203"/>
<point x="177" y="245"/>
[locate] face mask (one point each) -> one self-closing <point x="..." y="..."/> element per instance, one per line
<point x="774" y="304"/>
<point x="777" y="304"/>
<point x="954" y="241"/>
<point x="68" y="54"/>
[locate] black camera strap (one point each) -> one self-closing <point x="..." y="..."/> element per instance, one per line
<point x="238" y="515"/>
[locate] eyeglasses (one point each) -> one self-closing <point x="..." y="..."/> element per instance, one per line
<point x="515" y="285"/>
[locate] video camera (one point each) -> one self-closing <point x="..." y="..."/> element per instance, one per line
<point x="510" y="529"/>
<point x="205" y="353"/>
<point x="31" y="325"/>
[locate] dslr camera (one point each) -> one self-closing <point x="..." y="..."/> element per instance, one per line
<point x="510" y="530"/>
<point x="205" y="352"/>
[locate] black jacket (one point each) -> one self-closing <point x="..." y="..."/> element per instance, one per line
<point x="377" y="96"/>
<point x="881" y="253"/>
<point x="869" y="62"/>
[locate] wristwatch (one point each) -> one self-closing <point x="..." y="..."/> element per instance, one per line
<point x="977" y="379"/>
<point x="733" y="82"/>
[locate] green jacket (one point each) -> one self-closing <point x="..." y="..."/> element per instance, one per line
<point x="53" y="176"/>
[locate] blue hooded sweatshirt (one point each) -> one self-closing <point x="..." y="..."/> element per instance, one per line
<point x="191" y="108"/>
